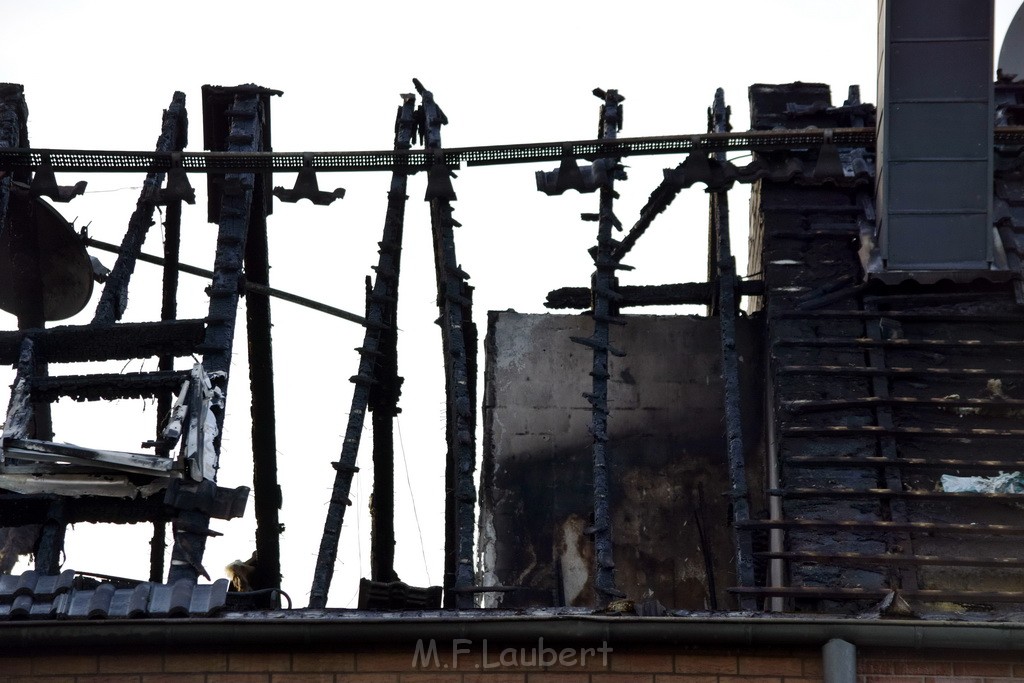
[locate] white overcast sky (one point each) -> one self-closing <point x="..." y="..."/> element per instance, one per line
<point x="98" y="74"/>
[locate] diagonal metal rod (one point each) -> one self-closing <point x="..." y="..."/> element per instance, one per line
<point x="738" y="493"/>
<point x="384" y="288"/>
<point x="249" y="286"/>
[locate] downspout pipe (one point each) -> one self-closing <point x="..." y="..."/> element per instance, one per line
<point x="319" y="630"/>
<point x="840" y="661"/>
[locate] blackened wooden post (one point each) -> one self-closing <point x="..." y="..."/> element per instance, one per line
<point x="266" y="490"/>
<point x="168" y="311"/>
<point x="381" y="300"/>
<point x="603" y="284"/>
<point x="245" y="113"/>
<point x="384" y="394"/>
<point x="718" y="120"/>
<point x="454" y="301"/>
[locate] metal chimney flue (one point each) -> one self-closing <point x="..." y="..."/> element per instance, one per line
<point x="935" y="118"/>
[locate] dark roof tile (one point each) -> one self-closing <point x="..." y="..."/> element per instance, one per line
<point x="31" y="596"/>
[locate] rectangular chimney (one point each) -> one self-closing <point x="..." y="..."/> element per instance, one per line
<point x="933" y="188"/>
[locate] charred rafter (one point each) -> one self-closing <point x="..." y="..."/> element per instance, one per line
<point x="245" y="134"/>
<point x="377" y="356"/>
<point x="114" y="299"/>
<point x="458" y="340"/>
<point x="718" y="121"/>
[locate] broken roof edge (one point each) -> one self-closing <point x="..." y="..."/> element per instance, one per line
<point x="336" y="630"/>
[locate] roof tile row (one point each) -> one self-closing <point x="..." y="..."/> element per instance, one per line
<point x="32" y="596"/>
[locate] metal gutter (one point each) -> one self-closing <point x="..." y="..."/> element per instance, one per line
<point x="317" y="630"/>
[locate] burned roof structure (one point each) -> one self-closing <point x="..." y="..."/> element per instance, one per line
<point x="839" y="434"/>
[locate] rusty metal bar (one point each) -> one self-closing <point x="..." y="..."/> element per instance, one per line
<point x="114" y="298"/>
<point x="865" y="342"/>
<point x="935" y="316"/>
<point x="875" y="594"/>
<point x="931" y="432"/>
<point x="908" y="463"/>
<point x="945" y="373"/>
<point x="727" y="307"/>
<point x="840" y="404"/>
<point x="883" y="526"/>
<point x="245" y="135"/>
<point x="458" y="334"/>
<point x="384" y="289"/>
<point x="888" y="493"/>
<point x="906" y="560"/>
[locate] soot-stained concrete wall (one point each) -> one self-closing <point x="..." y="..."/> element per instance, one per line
<point x="667" y="458"/>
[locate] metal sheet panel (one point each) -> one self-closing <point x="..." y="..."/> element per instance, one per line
<point x="935" y="119"/>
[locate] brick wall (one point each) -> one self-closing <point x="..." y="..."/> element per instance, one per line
<point x="396" y="666"/>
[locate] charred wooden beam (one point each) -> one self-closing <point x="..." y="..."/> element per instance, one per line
<point x="385" y="392"/>
<point x="107" y="386"/>
<point x="78" y="344"/>
<point x="244" y="126"/>
<point x="20" y="510"/>
<point x="688" y="293"/>
<point x="603" y="282"/>
<point x="373" y="384"/>
<point x="728" y="308"/>
<point x="165" y="400"/>
<point x="454" y="301"/>
<point x="267" y="492"/>
<point x="173" y="138"/>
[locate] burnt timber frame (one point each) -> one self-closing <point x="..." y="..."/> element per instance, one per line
<point x="727" y="308"/>
<point x="459" y="343"/>
<point x="377" y="387"/>
<point x="241" y="207"/>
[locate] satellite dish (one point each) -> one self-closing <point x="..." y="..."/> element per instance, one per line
<point x="63" y="261"/>
<point x="1011" y="56"/>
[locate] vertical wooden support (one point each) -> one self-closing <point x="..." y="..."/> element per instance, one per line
<point x="455" y="304"/>
<point x="385" y="392"/>
<point x="381" y="301"/>
<point x="168" y="311"/>
<point x="261" y="381"/>
<point x="728" y="308"/>
<point x="604" y="314"/>
<point x="245" y="134"/>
